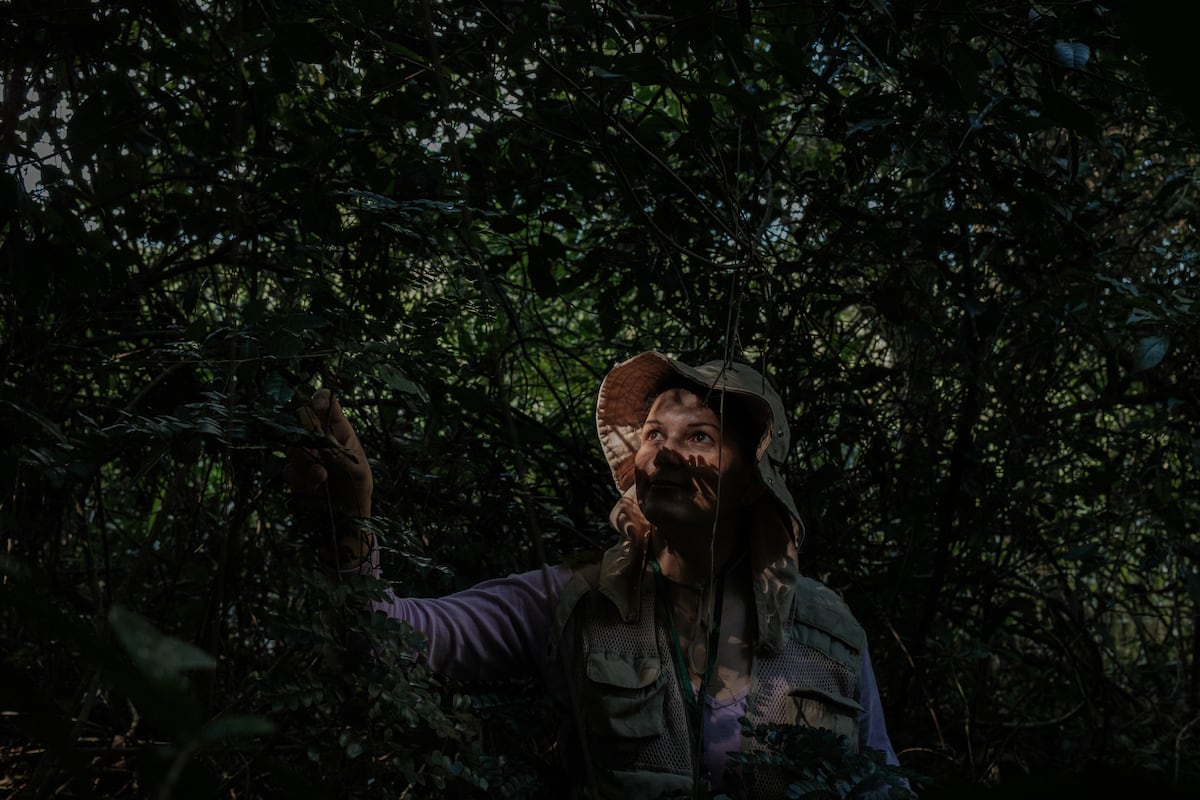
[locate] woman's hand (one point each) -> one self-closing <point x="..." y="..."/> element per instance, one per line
<point x="336" y="480"/>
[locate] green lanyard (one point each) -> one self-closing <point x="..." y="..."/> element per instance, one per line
<point x="694" y="700"/>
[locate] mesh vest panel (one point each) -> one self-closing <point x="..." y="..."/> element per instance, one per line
<point x="799" y="666"/>
<point x="658" y="706"/>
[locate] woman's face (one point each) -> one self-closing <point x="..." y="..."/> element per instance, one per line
<point x="687" y="475"/>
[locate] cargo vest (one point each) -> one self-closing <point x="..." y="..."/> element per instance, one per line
<point x="806" y="671"/>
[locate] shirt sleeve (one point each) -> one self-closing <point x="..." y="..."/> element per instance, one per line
<point x="497" y="630"/>
<point x="872" y="730"/>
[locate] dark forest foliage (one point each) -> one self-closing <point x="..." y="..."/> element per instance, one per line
<point x="958" y="234"/>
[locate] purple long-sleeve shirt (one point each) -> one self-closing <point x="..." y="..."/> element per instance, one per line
<point x="502" y="628"/>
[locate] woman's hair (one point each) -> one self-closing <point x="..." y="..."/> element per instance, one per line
<point x="738" y="420"/>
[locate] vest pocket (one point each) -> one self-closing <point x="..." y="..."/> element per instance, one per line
<point x="624" y="695"/>
<point x="820" y="709"/>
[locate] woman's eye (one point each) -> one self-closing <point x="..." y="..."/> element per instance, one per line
<point x="653" y="435"/>
<point x="703" y="438"/>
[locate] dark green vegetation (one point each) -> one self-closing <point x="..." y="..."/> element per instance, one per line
<point x="958" y="234"/>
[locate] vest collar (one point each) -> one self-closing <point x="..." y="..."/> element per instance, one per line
<point x="773" y="565"/>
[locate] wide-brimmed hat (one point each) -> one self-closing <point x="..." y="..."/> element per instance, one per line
<point x="629" y="388"/>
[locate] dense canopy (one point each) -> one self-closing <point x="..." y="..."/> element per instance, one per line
<point x="958" y="234"/>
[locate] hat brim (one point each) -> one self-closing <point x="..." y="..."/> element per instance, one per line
<point x="629" y="388"/>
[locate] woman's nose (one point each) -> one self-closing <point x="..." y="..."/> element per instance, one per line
<point x="667" y="457"/>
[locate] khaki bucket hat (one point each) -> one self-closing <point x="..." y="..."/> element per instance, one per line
<point x="625" y="397"/>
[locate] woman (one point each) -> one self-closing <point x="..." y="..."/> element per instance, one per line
<point x="695" y="618"/>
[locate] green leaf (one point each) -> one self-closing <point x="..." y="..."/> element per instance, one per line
<point x="396" y="379"/>
<point x="152" y="651"/>
<point x="1149" y="352"/>
<point x="864" y="125"/>
<point x="1072" y="55"/>
<point x="1193" y="587"/>
<point x="601" y="72"/>
<point x="1083" y="552"/>
<point x="283" y="344"/>
<point x="232" y="727"/>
